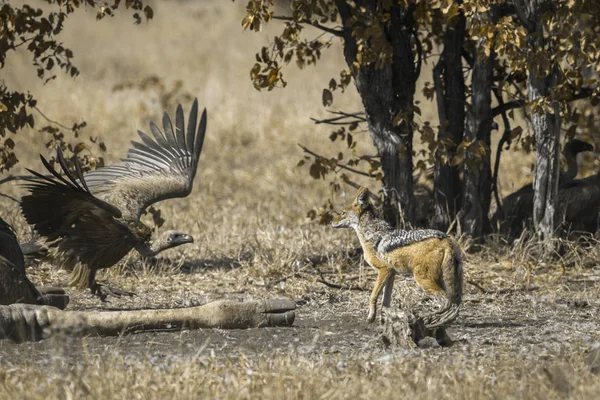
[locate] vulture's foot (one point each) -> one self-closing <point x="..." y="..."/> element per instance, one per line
<point x="103" y="291"/>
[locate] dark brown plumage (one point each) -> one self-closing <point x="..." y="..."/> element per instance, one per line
<point x="15" y="287"/>
<point x="94" y="219"/>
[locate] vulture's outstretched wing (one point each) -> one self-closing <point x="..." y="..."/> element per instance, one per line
<point x="156" y="169"/>
<point x="72" y="220"/>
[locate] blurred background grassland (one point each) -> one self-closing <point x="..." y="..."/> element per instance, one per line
<point x="248" y="187"/>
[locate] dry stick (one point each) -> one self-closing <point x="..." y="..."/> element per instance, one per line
<point x="337" y="286"/>
<point x="477" y="285"/>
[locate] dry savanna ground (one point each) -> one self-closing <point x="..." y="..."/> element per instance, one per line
<point x="527" y="329"/>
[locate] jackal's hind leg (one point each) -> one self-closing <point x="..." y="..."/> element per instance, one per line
<point x="382" y="275"/>
<point x="428" y="284"/>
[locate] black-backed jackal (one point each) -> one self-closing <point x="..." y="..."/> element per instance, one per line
<point x="433" y="257"/>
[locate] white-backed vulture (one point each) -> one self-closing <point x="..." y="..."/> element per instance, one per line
<point x="517" y="208"/>
<point x="92" y="221"/>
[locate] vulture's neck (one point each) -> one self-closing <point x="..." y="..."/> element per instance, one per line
<point x="152" y="247"/>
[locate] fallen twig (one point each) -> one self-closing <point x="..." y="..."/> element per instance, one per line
<point x="341" y="287"/>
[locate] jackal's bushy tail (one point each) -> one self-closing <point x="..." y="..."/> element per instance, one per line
<point x="452" y="279"/>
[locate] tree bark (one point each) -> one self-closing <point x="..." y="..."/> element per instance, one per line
<point x="387" y="93"/>
<point x="541" y="80"/>
<point x="477" y="174"/>
<point x="451" y="111"/>
<point x="546" y="126"/>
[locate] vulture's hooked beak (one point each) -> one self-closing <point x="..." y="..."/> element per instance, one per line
<point x="177" y="239"/>
<point x="186" y="239"/>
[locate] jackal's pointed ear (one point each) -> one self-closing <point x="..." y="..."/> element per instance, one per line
<point x="362" y="197"/>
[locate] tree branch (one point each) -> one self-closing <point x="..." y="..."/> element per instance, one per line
<point x="52" y="121"/>
<point x="335" y="32"/>
<point x="343" y="166"/>
<point x="505" y="107"/>
<point x="358" y="116"/>
<point x="9" y="197"/>
<point x="511" y="105"/>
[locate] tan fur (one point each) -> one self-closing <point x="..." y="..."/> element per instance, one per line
<point x="435" y="263"/>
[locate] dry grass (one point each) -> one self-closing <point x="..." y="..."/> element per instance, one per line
<point x="247" y="214"/>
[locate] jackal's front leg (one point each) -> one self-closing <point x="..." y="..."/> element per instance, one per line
<point x="382" y="275"/>
<point x="389" y="287"/>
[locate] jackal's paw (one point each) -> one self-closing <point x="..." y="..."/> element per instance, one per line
<point x="371" y="317"/>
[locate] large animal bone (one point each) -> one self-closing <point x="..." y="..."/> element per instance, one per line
<point x="23" y="322"/>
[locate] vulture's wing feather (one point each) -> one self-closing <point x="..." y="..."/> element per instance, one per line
<point x="72" y="220"/>
<point x="155" y="169"/>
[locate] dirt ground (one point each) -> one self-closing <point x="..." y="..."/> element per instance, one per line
<point x="533" y="338"/>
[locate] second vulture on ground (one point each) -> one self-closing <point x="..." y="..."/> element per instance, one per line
<point x="15" y="287"/>
<point x="517" y="208"/>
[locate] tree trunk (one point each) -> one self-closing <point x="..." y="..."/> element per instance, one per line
<point x="541" y="80"/>
<point x="477" y="174"/>
<point x="387" y="94"/>
<point x="451" y="111"/>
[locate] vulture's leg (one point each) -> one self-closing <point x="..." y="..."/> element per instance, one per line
<point x="84" y="277"/>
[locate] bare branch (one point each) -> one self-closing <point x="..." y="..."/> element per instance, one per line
<point x="52" y="121"/>
<point x="341" y="118"/>
<point x="9" y="197"/>
<point x="343" y="166"/>
<point x="335" y="32"/>
<point x="505" y="107"/>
